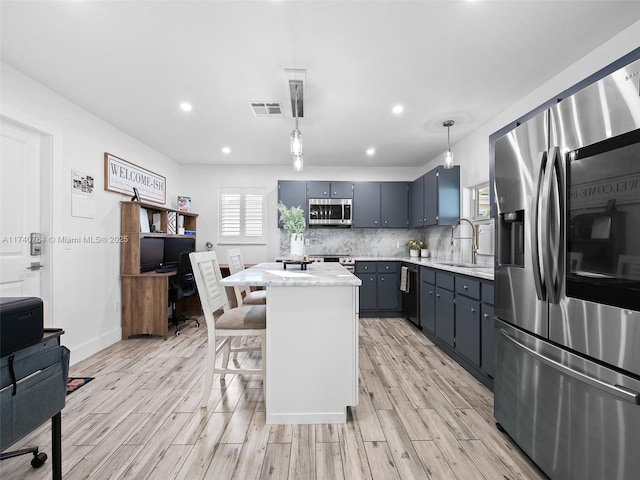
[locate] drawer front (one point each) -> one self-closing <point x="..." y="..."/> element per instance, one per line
<point x="427" y="275"/>
<point x="487" y="293"/>
<point x="468" y="287"/>
<point x="388" y="267"/>
<point x="445" y="280"/>
<point x="366" y="267"/>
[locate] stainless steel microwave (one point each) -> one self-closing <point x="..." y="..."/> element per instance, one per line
<point x="335" y="212"/>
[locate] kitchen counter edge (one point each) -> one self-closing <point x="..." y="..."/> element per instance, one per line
<point x="482" y="271"/>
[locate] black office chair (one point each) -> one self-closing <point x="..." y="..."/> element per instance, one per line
<point x="181" y="286"/>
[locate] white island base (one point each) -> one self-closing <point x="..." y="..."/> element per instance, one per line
<point x="312" y="353"/>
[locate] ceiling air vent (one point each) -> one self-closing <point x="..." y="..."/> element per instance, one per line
<point x="266" y="109"/>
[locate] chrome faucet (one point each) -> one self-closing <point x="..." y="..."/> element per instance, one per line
<point x="473" y="237"/>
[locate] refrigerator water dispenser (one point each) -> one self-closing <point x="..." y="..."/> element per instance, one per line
<point x="511" y="240"/>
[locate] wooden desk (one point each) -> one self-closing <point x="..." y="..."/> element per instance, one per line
<point x="145" y="304"/>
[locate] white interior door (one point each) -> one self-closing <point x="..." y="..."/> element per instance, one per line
<point x="20" y="190"/>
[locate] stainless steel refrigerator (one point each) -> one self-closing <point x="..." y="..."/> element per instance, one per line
<point x="567" y="278"/>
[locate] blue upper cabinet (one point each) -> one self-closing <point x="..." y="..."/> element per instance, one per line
<point x="446" y="195"/>
<point x="416" y="204"/>
<point x="394" y="209"/>
<point x="381" y="204"/>
<point x="366" y="204"/>
<point x="293" y="193"/>
<point x="435" y="198"/>
<point x="431" y="199"/>
<point x="341" y="189"/>
<point x="330" y="189"/>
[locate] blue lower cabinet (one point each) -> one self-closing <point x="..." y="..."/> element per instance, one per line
<point x="456" y="313"/>
<point x="468" y="328"/>
<point x="388" y="291"/>
<point x="445" y="316"/>
<point x="428" y="307"/>
<point x="380" y="290"/>
<point x="488" y="353"/>
<point x="368" y="291"/>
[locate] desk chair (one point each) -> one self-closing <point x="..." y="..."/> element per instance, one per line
<point x="181" y="286"/>
<point x="241" y="321"/>
<point x="244" y="295"/>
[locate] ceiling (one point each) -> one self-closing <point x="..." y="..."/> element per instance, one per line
<point x="132" y="63"/>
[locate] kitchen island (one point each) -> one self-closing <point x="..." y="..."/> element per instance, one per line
<point x="312" y="340"/>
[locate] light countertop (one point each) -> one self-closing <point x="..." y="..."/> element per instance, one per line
<point x="274" y="274"/>
<point x="479" y="271"/>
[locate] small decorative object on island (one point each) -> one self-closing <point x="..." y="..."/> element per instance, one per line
<point x="414" y="247"/>
<point x="424" y="252"/>
<point x="292" y="220"/>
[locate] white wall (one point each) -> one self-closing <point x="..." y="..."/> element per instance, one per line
<point x="86" y="278"/>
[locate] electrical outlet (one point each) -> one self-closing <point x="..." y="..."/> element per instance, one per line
<point x="306" y="242"/>
<point x="398" y="244"/>
<point x="116" y="306"/>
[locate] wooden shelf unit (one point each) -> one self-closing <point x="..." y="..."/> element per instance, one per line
<point x="145" y="295"/>
<point x="130" y="228"/>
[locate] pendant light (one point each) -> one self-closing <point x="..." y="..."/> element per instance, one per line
<point x="448" y="155"/>
<point x="296" y="141"/>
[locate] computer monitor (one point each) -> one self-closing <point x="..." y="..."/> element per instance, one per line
<point x="174" y="246"/>
<point x="151" y="253"/>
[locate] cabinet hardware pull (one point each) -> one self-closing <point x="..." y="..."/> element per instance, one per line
<point x="465" y="287"/>
<point x="473" y="310"/>
<point x="486" y="315"/>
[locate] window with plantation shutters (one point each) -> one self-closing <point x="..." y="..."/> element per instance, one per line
<point x="242" y="215"/>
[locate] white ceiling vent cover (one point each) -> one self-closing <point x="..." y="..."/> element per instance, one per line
<point x="266" y="109"/>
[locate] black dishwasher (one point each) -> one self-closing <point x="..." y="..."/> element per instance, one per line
<point x="410" y="287"/>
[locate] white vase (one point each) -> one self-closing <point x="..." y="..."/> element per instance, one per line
<point x="297" y="247"/>
<point x="414" y="253"/>
<point x="424" y="253"/>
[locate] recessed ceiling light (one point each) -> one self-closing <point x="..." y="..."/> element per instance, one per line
<point x="226" y="150"/>
<point x="397" y="109"/>
<point x="185" y="107"/>
<point x="371" y="151"/>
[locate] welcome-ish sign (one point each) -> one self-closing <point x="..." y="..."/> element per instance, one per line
<point x="122" y="176"/>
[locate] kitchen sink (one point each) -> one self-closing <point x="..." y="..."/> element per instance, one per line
<point x="467" y="265"/>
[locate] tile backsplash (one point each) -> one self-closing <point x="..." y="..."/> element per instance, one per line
<point x="355" y="242"/>
<point x="386" y="242"/>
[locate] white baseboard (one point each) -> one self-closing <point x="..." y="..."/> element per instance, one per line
<point x="80" y="352"/>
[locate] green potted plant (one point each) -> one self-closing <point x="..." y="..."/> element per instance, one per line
<point x="414" y="247"/>
<point x="292" y="220"/>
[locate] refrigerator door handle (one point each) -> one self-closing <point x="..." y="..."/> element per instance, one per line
<point x="618" y="391"/>
<point x="554" y="251"/>
<point x="536" y="236"/>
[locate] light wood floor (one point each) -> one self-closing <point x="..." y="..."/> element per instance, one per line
<point x="420" y="416"/>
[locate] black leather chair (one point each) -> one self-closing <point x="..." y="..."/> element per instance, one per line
<point x="181" y="286"/>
